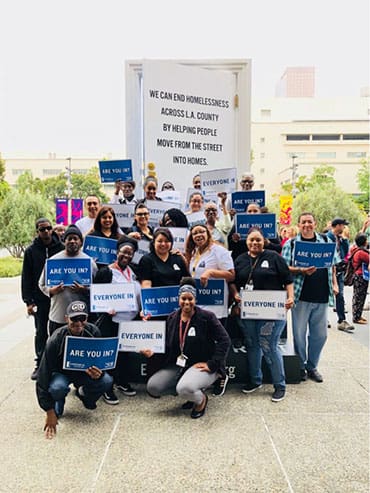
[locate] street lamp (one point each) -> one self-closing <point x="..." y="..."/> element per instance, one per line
<point x="69" y="189"/>
<point x="294" y="175"/>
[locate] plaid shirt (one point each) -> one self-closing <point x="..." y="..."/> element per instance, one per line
<point x="288" y="254"/>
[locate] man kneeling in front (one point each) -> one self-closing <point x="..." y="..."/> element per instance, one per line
<point x="53" y="381"/>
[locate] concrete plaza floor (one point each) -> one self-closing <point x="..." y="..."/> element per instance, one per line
<point x="316" y="440"/>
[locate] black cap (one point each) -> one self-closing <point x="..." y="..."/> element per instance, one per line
<point x="77" y="308"/>
<point x="338" y="220"/>
<point x="73" y="230"/>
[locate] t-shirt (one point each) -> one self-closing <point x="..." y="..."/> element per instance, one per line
<point x="270" y="271"/>
<point x="85" y="224"/>
<point x="215" y="257"/>
<point x="160" y="273"/>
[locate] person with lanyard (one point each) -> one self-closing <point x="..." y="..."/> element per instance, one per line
<point x="119" y="272"/>
<point x="262" y="269"/>
<point x="209" y="260"/>
<point x="196" y="349"/>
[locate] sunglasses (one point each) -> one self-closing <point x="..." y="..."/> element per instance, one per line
<point x="45" y="228"/>
<point x="246" y="181"/>
<point x="92" y="203"/>
<point x="142" y="214"/>
<point x="79" y="318"/>
<point x="211" y="210"/>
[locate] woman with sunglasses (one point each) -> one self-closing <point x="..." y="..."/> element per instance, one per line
<point x="195" y="354"/>
<point x="119" y="272"/>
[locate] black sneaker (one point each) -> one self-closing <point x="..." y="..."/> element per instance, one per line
<point x="187" y="405"/>
<point x="88" y="404"/>
<point x="303" y="375"/>
<point x="251" y="387"/>
<point x="219" y="386"/>
<point x="315" y="375"/>
<point x="34" y="374"/>
<point x="59" y="407"/>
<point x="126" y="389"/>
<point x="110" y="398"/>
<point x="278" y="395"/>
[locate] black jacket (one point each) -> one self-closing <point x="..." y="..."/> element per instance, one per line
<point x="52" y="361"/>
<point x="33" y="264"/>
<point x="209" y="344"/>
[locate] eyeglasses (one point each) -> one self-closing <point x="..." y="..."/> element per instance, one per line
<point x="45" y="228"/>
<point x="152" y="188"/>
<point x="79" y="318"/>
<point x="211" y="210"/>
<point x="142" y="214"/>
<point x="246" y="181"/>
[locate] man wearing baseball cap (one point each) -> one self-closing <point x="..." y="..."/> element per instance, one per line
<point x="342" y="248"/>
<point x="124" y="192"/>
<point x="53" y="381"/>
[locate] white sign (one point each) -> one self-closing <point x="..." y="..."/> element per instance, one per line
<point x="137" y="335"/>
<point x="263" y="305"/>
<point x="219" y="180"/>
<point x="179" y="238"/>
<point x="143" y="247"/>
<point x="125" y="214"/>
<point x="157" y="208"/>
<point x="196" y="218"/>
<point x="108" y="297"/>
<point x="189" y="119"/>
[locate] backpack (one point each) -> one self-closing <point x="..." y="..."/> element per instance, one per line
<point x="349" y="273"/>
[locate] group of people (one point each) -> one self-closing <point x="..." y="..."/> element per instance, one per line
<point x="197" y="339"/>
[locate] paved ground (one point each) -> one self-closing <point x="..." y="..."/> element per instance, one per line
<point x="316" y="440"/>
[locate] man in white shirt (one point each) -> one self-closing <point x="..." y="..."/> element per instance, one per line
<point x="92" y="205"/>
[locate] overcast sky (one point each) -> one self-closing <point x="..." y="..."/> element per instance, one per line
<point x="62" y="62"/>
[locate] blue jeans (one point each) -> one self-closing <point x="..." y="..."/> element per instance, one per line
<point x="310" y="331"/>
<point x="93" y="389"/>
<point x="261" y="338"/>
<point x="339" y="299"/>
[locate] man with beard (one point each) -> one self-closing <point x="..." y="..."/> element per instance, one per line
<point x="61" y="296"/>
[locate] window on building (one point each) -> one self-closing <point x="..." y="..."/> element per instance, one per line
<point x="262" y="140"/>
<point x="51" y="171"/>
<point x="19" y="171"/>
<point x="356" y="154"/>
<point x="325" y="137"/>
<point x="356" y="136"/>
<point x="262" y="170"/>
<point x="266" y="113"/>
<point x="326" y="155"/>
<point x="262" y="186"/>
<point x="299" y="155"/>
<point x="262" y="155"/>
<point x="298" y="137"/>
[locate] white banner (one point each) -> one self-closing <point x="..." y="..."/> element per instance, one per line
<point x="118" y="297"/>
<point x="263" y="305"/>
<point x="189" y="120"/>
<point x="137" y="335"/>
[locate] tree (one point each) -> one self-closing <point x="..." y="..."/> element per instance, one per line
<point x="27" y="183"/>
<point x="363" y="178"/>
<point x="18" y="214"/>
<point x="82" y="185"/>
<point x="4" y="186"/>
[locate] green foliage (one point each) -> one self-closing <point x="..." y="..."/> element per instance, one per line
<point x="326" y="203"/>
<point x="4" y="189"/>
<point x="27" y="183"/>
<point x="10" y="267"/>
<point x="18" y="214"/>
<point x="2" y="169"/>
<point x="363" y="178"/>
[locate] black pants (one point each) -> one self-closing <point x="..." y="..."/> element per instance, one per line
<point x="41" y="318"/>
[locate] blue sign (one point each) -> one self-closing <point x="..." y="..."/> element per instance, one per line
<point x="266" y="223"/>
<point x="212" y="294"/>
<point x="159" y="301"/>
<point x="110" y="171"/>
<point x="68" y="271"/>
<point x="365" y="272"/>
<point x="80" y="353"/>
<point x="240" y="200"/>
<point x="102" y="250"/>
<point x="308" y="254"/>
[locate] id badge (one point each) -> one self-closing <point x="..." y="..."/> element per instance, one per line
<point x="181" y="360"/>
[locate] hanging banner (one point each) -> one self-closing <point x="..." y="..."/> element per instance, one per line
<point x="77" y="209"/>
<point x="61" y="216"/>
<point x="286" y="202"/>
